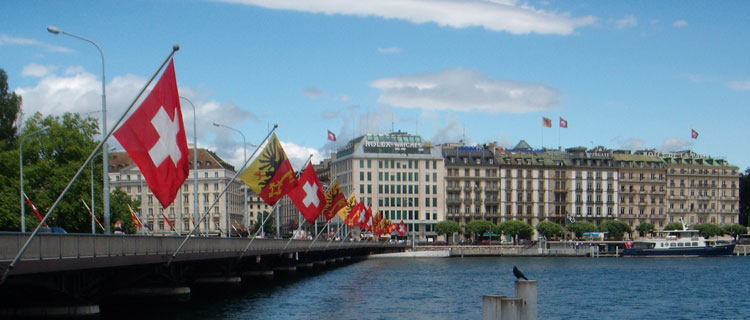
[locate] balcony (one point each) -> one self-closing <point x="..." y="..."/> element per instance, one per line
<point x="451" y="188"/>
<point x="491" y="201"/>
<point x="453" y="200"/>
<point x="491" y="188"/>
<point x="467" y="201"/>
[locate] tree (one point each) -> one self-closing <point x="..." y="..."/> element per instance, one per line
<point x="646" y="228"/>
<point x="448" y="228"/>
<point x="118" y="204"/>
<point x="51" y="159"/>
<point x="479" y="227"/>
<point x="10" y="107"/>
<point x="268" y="227"/>
<point x="674" y="226"/>
<point x="709" y="230"/>
<point x="615" y="229"/>
<point x="744" y="197"/>
<point x="549" y="229"/>
<point x="581" y="227"/>
<point x="516" y="229"/>
<point x="735" y="230"/>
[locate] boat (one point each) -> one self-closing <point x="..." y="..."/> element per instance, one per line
<point x="676" y="243"/>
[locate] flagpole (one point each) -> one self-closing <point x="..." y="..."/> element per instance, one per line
<point x="318" y="235"/>
<point x="86" y="163"/>
<point x="197" y="223"/>
<point x="256" y="232"/>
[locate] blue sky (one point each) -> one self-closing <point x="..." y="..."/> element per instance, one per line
<point x="625" y="75"/>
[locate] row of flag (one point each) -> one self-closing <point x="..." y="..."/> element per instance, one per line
<point x="547" y="123"/>
<point x="154" y="137"/>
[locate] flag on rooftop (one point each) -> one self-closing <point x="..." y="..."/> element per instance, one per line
<point x="331" y="136"/>
<point x="563" y="123"/>
<point x="546" y="122"/>
<point x="270" y="175"/>
<point x="154" y="136"/>
<point x="694" y="134"/>
<point x="308" y="196"/>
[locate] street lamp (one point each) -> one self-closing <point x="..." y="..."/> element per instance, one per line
<point x="23" y="207"/>
<point x="93" y="204"/>
<point x="244" y="153"/>
<point x="105" y="157"/>
<point x="195" y="162"/>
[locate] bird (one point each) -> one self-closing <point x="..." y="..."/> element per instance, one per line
<point x="518" y="274"/>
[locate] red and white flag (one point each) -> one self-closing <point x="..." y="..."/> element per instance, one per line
<point x="154" y="136"/>
<point x="331" y="136"/>
<point x="546" y="122"/>
<point x="693" y="134"/>
<point x="563" y="123"/>
<point x="401" y="228"/>
<point x="308" y="196"/>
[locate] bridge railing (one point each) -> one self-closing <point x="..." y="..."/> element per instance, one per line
<point x="71" y="246"/>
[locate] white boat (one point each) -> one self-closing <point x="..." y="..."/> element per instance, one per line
<point x="680" y="243"/>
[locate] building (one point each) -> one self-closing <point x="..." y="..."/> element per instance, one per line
<point x="594" y="184"/>
<point x="701" y="189"/>
<point x="642" y="189"/>
<point x="399" y="175"/>
<point x="213" y="176"/>
<point x="471" y="184"/>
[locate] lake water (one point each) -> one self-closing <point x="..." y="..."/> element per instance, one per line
<point x="452" y="288"/>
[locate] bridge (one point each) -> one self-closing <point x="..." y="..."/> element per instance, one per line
<point x="84" y="269"/>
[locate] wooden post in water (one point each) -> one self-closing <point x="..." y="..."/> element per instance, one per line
<point x="526" y="291"/>
<point x="491" y="307"/>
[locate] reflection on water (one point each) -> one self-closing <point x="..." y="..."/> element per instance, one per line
<point x="452" y="288"/>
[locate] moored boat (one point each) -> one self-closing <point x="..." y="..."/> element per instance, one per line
<point x="676" y="243"/>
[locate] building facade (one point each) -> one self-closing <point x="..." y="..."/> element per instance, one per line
<point x="399" y="175"/>
<point x="213" y="176"/>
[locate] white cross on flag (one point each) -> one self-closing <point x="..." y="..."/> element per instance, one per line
<point x="309" y="196"/>
<point x="401" y="228"/>
<point x="154" y="136"/>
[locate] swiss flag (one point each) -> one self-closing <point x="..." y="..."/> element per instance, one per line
<point x="693" y="134"/>
<point x="401" y="228"/>
<point x="308" y="196"/>
<point x="154" y="136"/>
<point x="563" y="123"/>
<point x="331" y="136"/>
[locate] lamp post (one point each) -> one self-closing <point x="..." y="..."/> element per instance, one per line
<point x="23" y="207"/>
<point x="93" y="204"/>
<point x="244" y="157"/>
<point x="195" y="162"/>
<point x="105" y="157"/>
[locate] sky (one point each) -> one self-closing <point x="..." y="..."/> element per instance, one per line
<point x="625" y="75"/>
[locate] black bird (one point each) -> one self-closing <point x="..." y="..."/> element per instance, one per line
<point x="518" y="274"/>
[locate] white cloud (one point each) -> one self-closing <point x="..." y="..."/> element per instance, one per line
<point x="628" y="21"/>
<point x="680" y="24"/>
<point x="6" y="40"/>
<point x="740" y="85"/>
<point x="389" y="50"/>
<point x="511" y="16"/>
<point x="674" y="144"/>
<point x="37" y="70"/>
<point x="342" y="97"/>
<point x="313" y="93"/>
<point x="465" y="90"/>
<point x="451" y="131"/>
<point x="297" y="154"/>
<point x="630" y="143"/>
<point x="80" y="91"/>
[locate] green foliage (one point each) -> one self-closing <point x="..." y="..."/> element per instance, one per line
<point x="646" y="228"/>
<point x="10" y="105"/>
<point x="709" y="230"/>
<point x="516" y="229"/>
<point x="51" y="158"/>
<point x="674" y="226"/>
<point x="735" y="229"/>
<point x="478" y="227"/>
<point x="118" y="210"/>
<point x="268" y="227"/>
<point x="581" y="227"/>
<point x="448" y="228"/>
<point x="615" y="229"/>
<point x="549" y="229"/>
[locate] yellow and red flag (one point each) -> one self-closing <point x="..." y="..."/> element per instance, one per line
<point x="336" y="201"/>
<point x="270" y="175"/>
<point x="355" y="214"/>
<point x="344" y="212"/>
<point x="136" y="221"/>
